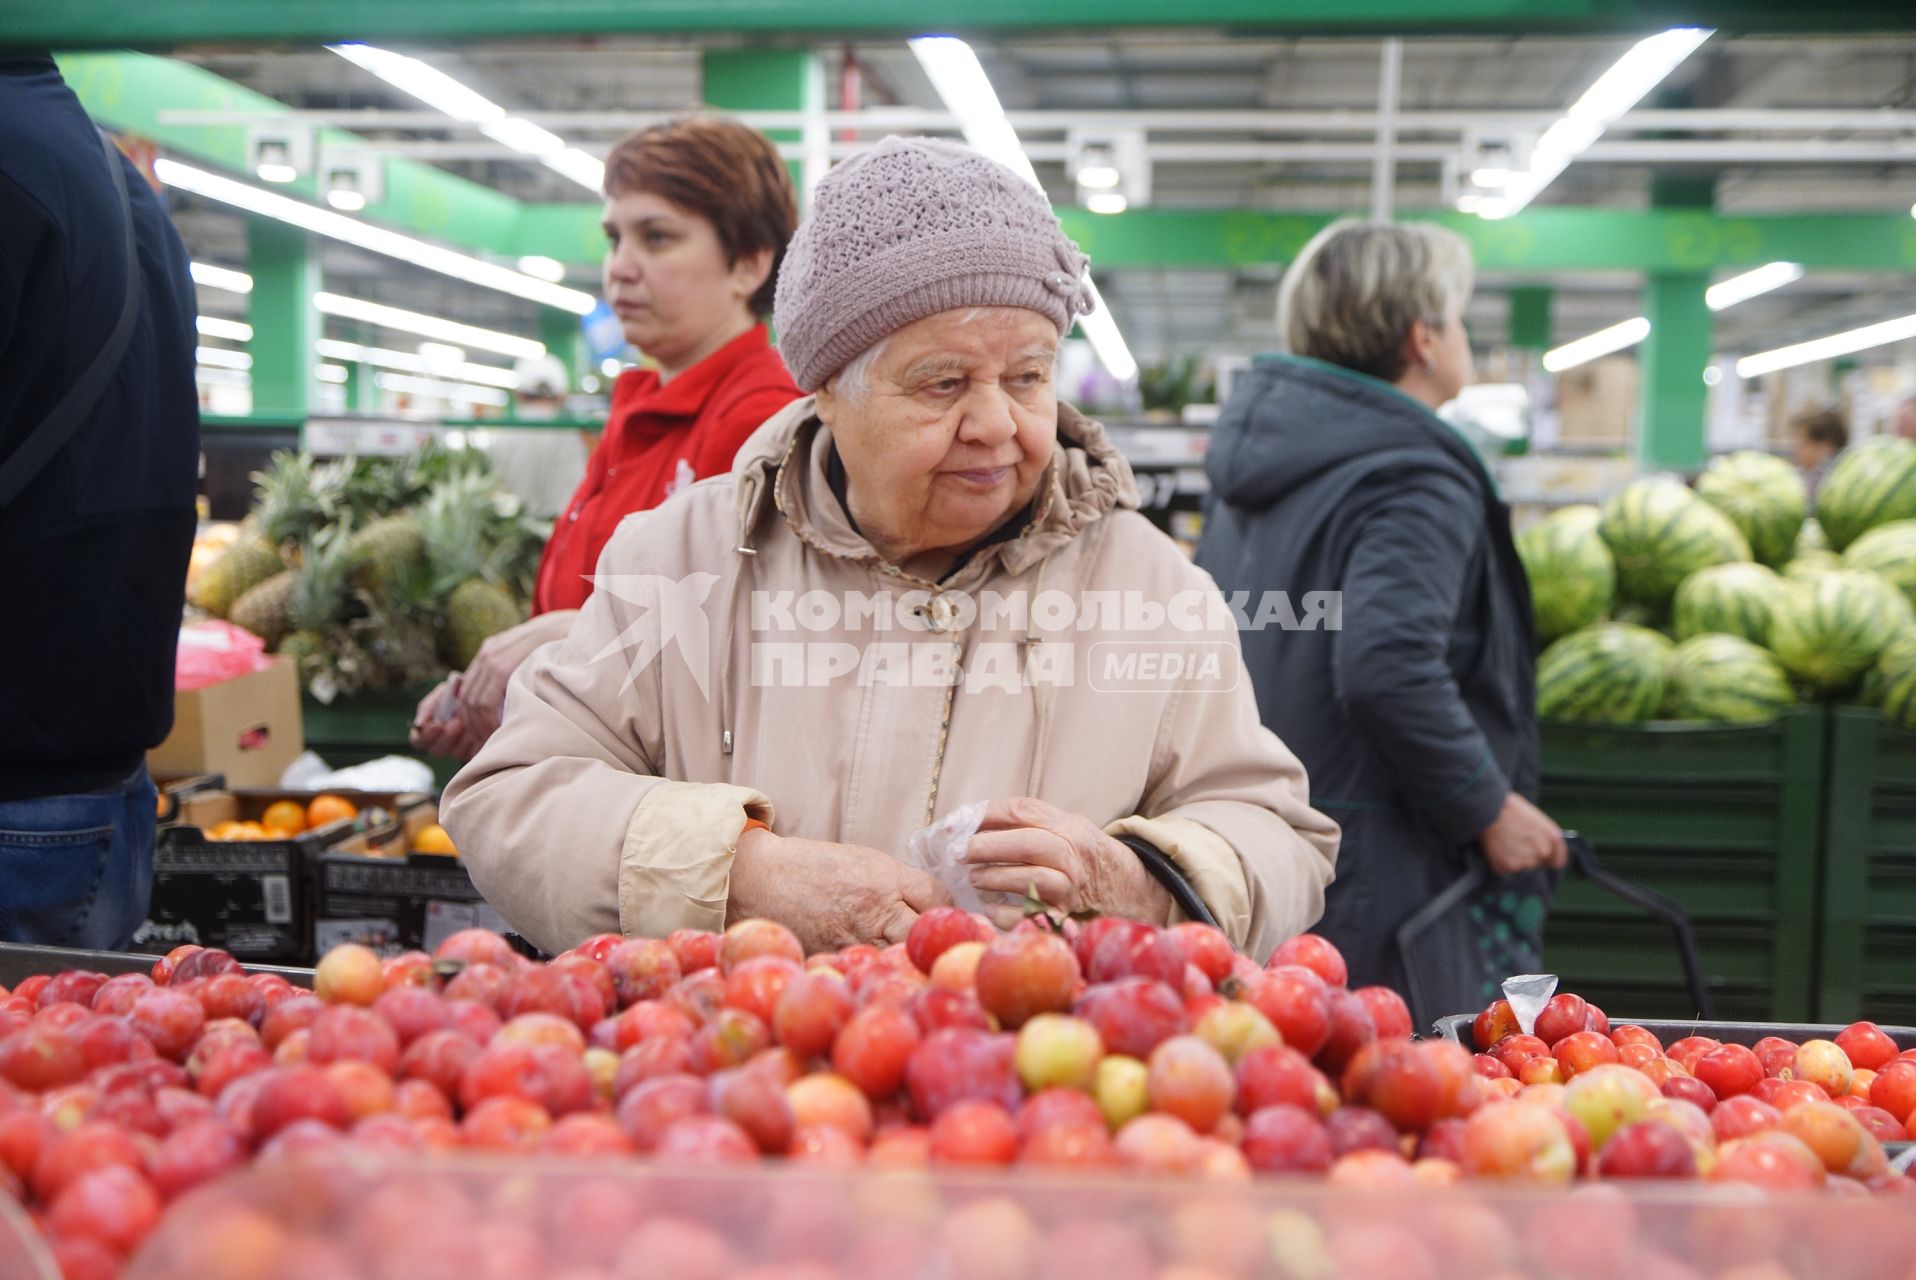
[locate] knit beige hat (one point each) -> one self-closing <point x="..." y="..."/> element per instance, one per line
<point x="909" y="228"/>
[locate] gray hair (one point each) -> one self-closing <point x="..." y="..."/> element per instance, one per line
<point x="853" y="382"/>
<point x="1354" y="291"/>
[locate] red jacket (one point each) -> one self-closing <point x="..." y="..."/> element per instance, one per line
<point x="658" y="439"/>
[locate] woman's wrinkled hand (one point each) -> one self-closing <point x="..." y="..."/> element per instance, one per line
<point x="830" y="895"/>
<point x="1030" y="846"/>
<point x="438" y="729"/>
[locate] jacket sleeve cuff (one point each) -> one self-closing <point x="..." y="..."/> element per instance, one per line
<point x="1461" y="817"/>
<point x="1207" y="861"/>
<point x="675" y="868"/>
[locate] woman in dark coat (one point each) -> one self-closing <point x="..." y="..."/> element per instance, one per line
<point x="1413" y="706"/>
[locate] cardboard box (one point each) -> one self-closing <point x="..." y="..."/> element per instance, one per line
<point x="394" y="905"/>
<point x="247" y="728"/>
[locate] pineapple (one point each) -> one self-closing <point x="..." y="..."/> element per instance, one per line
<point x="319" y="597"/>
<point x="378" y="553"/>
<point x="294" y="497"/>
<point x="263" y="609"/>
<point x="455" y="521"/>
<point x="246" y="564"/>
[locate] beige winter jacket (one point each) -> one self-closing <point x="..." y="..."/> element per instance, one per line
<point x="614" y="794"/>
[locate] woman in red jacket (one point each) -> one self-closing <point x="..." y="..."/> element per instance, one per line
<point x="697" y="216"/>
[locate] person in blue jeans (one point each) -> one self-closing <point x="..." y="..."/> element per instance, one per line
<point x="99" y="458"/>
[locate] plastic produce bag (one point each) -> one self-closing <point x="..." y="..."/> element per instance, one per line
<point x="940" y="851"/>
<point x="213" y="652"/>
<point x="388" y="773"/>
<point x="1528" y="993"/>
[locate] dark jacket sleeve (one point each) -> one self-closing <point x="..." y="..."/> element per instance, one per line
<point x="1401" y="593"/>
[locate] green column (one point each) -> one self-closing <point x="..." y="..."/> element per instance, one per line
<point x="1530" y="316"/>
<point x="359" y="387"/>
<point x="764" y="80"/>
<point x="285" y="274"/>
<point x="1682" y="334"/>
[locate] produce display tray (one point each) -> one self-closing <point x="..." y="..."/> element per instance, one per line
<point x="21" y="960"/>
<point x="1868" y="925"/>
<point x="1724" y="821"/>
<point x="1456" y="1028"/>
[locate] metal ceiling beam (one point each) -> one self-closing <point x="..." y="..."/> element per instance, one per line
<point x="894" y="119"/>
<point x="115" y="23"/>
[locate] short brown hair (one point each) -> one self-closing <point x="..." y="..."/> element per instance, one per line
<point x="728" y="174"/>
<point x="1824" y="426"/>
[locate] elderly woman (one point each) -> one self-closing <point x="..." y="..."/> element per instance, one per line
<point x="908" y="597"/>
<point x="1331" y="472"/>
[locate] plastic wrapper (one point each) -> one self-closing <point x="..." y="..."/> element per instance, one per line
<point x="23" y="1254"/>
<point x="1528" y="993"/>
<point x="514" y="1219"/>
<point x="213" y="652"/>
<point x="940" y="850"/>
<point x="388" y="773"/>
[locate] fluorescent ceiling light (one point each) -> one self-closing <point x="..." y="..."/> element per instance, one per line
<point x="1100" y="177"/>
<point x="407" y="362"/>
<point x="443" y="390"/>
<point x="346" y="199"/>
<point x="440" y="353"/>
<point x="1617" y="337"/>
<point x="231" y="330"/>
<point x="505" y="344"/>
<point x="961" y="82"/>
<point x="1751" y="283"/>
<point x="221" y="358"/>
<point x="1106" y="202"/>
<point x="221" y="278"/>
<point x="334" y="373"/>
<point x="540" y="267"/>
<point x="1490" y="176"/>
<point x="269" y="172"/>
<point x="1617" y="90"/>
<point x="352" y="231"/>
<point x="443" y="93"/>
<point x="223" y="377"/>
<point x="1837" y="344"/>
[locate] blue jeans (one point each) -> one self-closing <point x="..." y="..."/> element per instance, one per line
<point x="77" y="871"/>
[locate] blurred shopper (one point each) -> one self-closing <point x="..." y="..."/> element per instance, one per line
<point x="1413" y="706"/>
<point x="99" y="452"/>
<point x="1904" y="424"/>
<point x="542" y="465"/>
<point x="697" y="216"/>
<point x="1816" y="437"/>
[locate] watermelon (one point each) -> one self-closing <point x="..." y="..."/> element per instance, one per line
<point x="1660" y="534"/>
<point x="1763" y="496"/>
<point x="1612" y="673"/>
<point x="1811" y="538"/>
<point x="1888" y="550"/>
<point x="1871" y="484"/>
<point x="1572" y="577"/>
<point x="1728" y="599"/>
<point x="1830" y="630"/>
<point x="1811" y="564"/>
<point x="1726" y="678"/>
<point x="1898" y="670"/>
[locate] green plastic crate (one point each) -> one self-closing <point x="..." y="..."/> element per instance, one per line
<point x="1868" y="967"/>
<point x="367" y="726"/>
<point x="1727" y="822"/>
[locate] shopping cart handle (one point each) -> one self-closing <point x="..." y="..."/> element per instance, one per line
<point x="1583" y="860"/>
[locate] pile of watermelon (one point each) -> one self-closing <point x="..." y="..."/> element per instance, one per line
<point x="1728" y="602"/>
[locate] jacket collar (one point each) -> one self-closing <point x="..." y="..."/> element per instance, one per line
<point x="783" y="466"/>
<point x="687" y="395"/>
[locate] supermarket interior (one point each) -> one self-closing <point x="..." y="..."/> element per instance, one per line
<point x="1192" y="641"/>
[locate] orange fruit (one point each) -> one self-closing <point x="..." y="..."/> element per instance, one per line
<point x="286" y="816"/>
<point x="329" y="808"/>
<point x="433" y="839"/>
<point x="228" y="830"/>
<point x="159" y="805"/>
